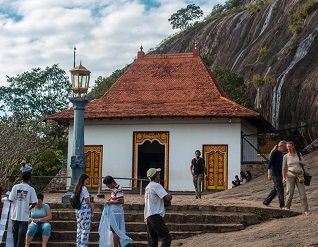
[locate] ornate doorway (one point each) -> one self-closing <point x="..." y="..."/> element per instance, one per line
<point x="216" y="160"/>
<point x="151" y="150"/>
<point x="93" y="155"/>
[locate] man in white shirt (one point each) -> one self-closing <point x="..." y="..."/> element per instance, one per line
<point x="25" y="167"/>
<point x="21" y="196"/>
<point x="154" y="211"/>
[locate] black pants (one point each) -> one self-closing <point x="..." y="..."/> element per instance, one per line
<point x="156" y="228"/>
<point x="277" y="190"/>
<point x="19" y="229"/>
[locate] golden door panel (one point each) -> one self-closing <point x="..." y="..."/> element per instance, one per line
<point x="216" y="161"/>
<point x="93" y="155"/>
<point x="139" y="139"/>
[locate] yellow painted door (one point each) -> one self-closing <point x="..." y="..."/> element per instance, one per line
<point x="93" y="155"/>
<point x="216" y="161"/>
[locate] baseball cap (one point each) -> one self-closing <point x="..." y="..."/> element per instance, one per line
<point x="152" y="171"/>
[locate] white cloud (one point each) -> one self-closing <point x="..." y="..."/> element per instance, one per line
<point x="106" y="33"/>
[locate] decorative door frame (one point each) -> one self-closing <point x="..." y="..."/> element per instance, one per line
<point x="94" y="164"/>
<point x="216" y="161"/>
<point x="139" y="137"/>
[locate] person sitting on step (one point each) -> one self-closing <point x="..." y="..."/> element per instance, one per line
<point x="39" y="222"/>
<point x="236" y="182"/>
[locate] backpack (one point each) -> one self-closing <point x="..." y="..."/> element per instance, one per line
<point x="75" y="202"/>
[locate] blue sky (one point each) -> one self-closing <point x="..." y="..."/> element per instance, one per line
<point x="107" y="33"/>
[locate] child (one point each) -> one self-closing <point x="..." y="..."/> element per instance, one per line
<point x="236" y="182"/>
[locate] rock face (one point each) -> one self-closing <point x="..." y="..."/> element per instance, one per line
<point x="259" y="42"/>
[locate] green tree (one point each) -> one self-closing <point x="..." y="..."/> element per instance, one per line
<point x="230" y="4"/>
<point x="37" y="93"/>
<point x="23" y="135"/>
<point x="233" y="85"/>
<point x="32" y="140"/>
<point x="103" y="84"/>
<point x="183" y="17"/>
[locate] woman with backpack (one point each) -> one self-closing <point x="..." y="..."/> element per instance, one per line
<point x="83" y="215"/>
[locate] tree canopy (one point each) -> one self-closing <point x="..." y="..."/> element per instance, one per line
<point x="233" y="85"/>
<point x="23" y="135"/>
<point x="103" y="84"/>
<point x="183" y="17"/>
<point x="36" y="93"/>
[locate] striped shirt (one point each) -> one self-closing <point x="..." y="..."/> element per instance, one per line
<point x="117" y="193"/>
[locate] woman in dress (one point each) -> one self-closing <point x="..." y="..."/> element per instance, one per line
<point x="293" y="175"/>
<point x="83" y="215"/>
<point x="39" y="222"/>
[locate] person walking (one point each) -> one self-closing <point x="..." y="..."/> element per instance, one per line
<point x="21" y="196"/>
<point x="85" y="214"/>
<point x="293" y="175"/>
<point x="197" y="169"/>
<point x="154" y="211"/>
<point x="116" y="213"/>
<point x="274" y="172"/>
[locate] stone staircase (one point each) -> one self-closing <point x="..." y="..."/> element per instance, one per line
<point x="183" y="221"/>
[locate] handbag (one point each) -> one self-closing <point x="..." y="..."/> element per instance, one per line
<point x="307" y="176"/>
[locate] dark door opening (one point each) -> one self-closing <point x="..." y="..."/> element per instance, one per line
<point x="151" y="155"/>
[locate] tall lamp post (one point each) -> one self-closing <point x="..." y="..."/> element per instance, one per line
<point x="80" y="81"/>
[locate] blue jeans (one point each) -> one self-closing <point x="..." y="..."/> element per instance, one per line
<point x="43" y="227"/>
<point x="19" y="229"/>
<point x="156" y="228"/>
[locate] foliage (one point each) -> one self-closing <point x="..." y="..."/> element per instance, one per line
<point x="231" y="7"/>
<point x="299" y="13"/>
<point x="233" y="85"/>
<point x="288" y="49"/>
<point x="261" y="53"/>
<point x="206" y="60"/>
<point x="257" y="80"/>
<point x="296" y="84"/>
<point x="103" y="84"/>
<point x="270" y="80"/>
<point x="183" y="17"/>
<point x="37" y="93"/>
<point x="23" y="135"/>
<point x="31" y="140"/>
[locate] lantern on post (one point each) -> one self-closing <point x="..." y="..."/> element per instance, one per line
<point x="80" y="77"/>
<point x="80" y="80"/>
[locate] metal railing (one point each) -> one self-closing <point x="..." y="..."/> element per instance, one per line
<point x="11" y="180"/>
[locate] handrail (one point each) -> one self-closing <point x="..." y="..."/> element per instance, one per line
<point x="99" y="179"/>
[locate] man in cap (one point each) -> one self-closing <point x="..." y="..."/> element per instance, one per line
<point x="25" y="167"/>
<point x="154" y="211"/>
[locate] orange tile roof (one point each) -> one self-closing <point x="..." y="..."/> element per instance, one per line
<point x="164" y="85"/>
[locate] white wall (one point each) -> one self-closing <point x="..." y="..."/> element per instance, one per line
<point x="184" y="138"/>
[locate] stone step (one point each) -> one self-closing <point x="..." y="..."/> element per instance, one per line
<point x="183" y="221"/>
<point x="72" y="244"/>
<point x="141" y="227"/>
<point x="177" y="217"/>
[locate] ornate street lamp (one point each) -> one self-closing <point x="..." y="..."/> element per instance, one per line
<point x="80" y="82"/>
